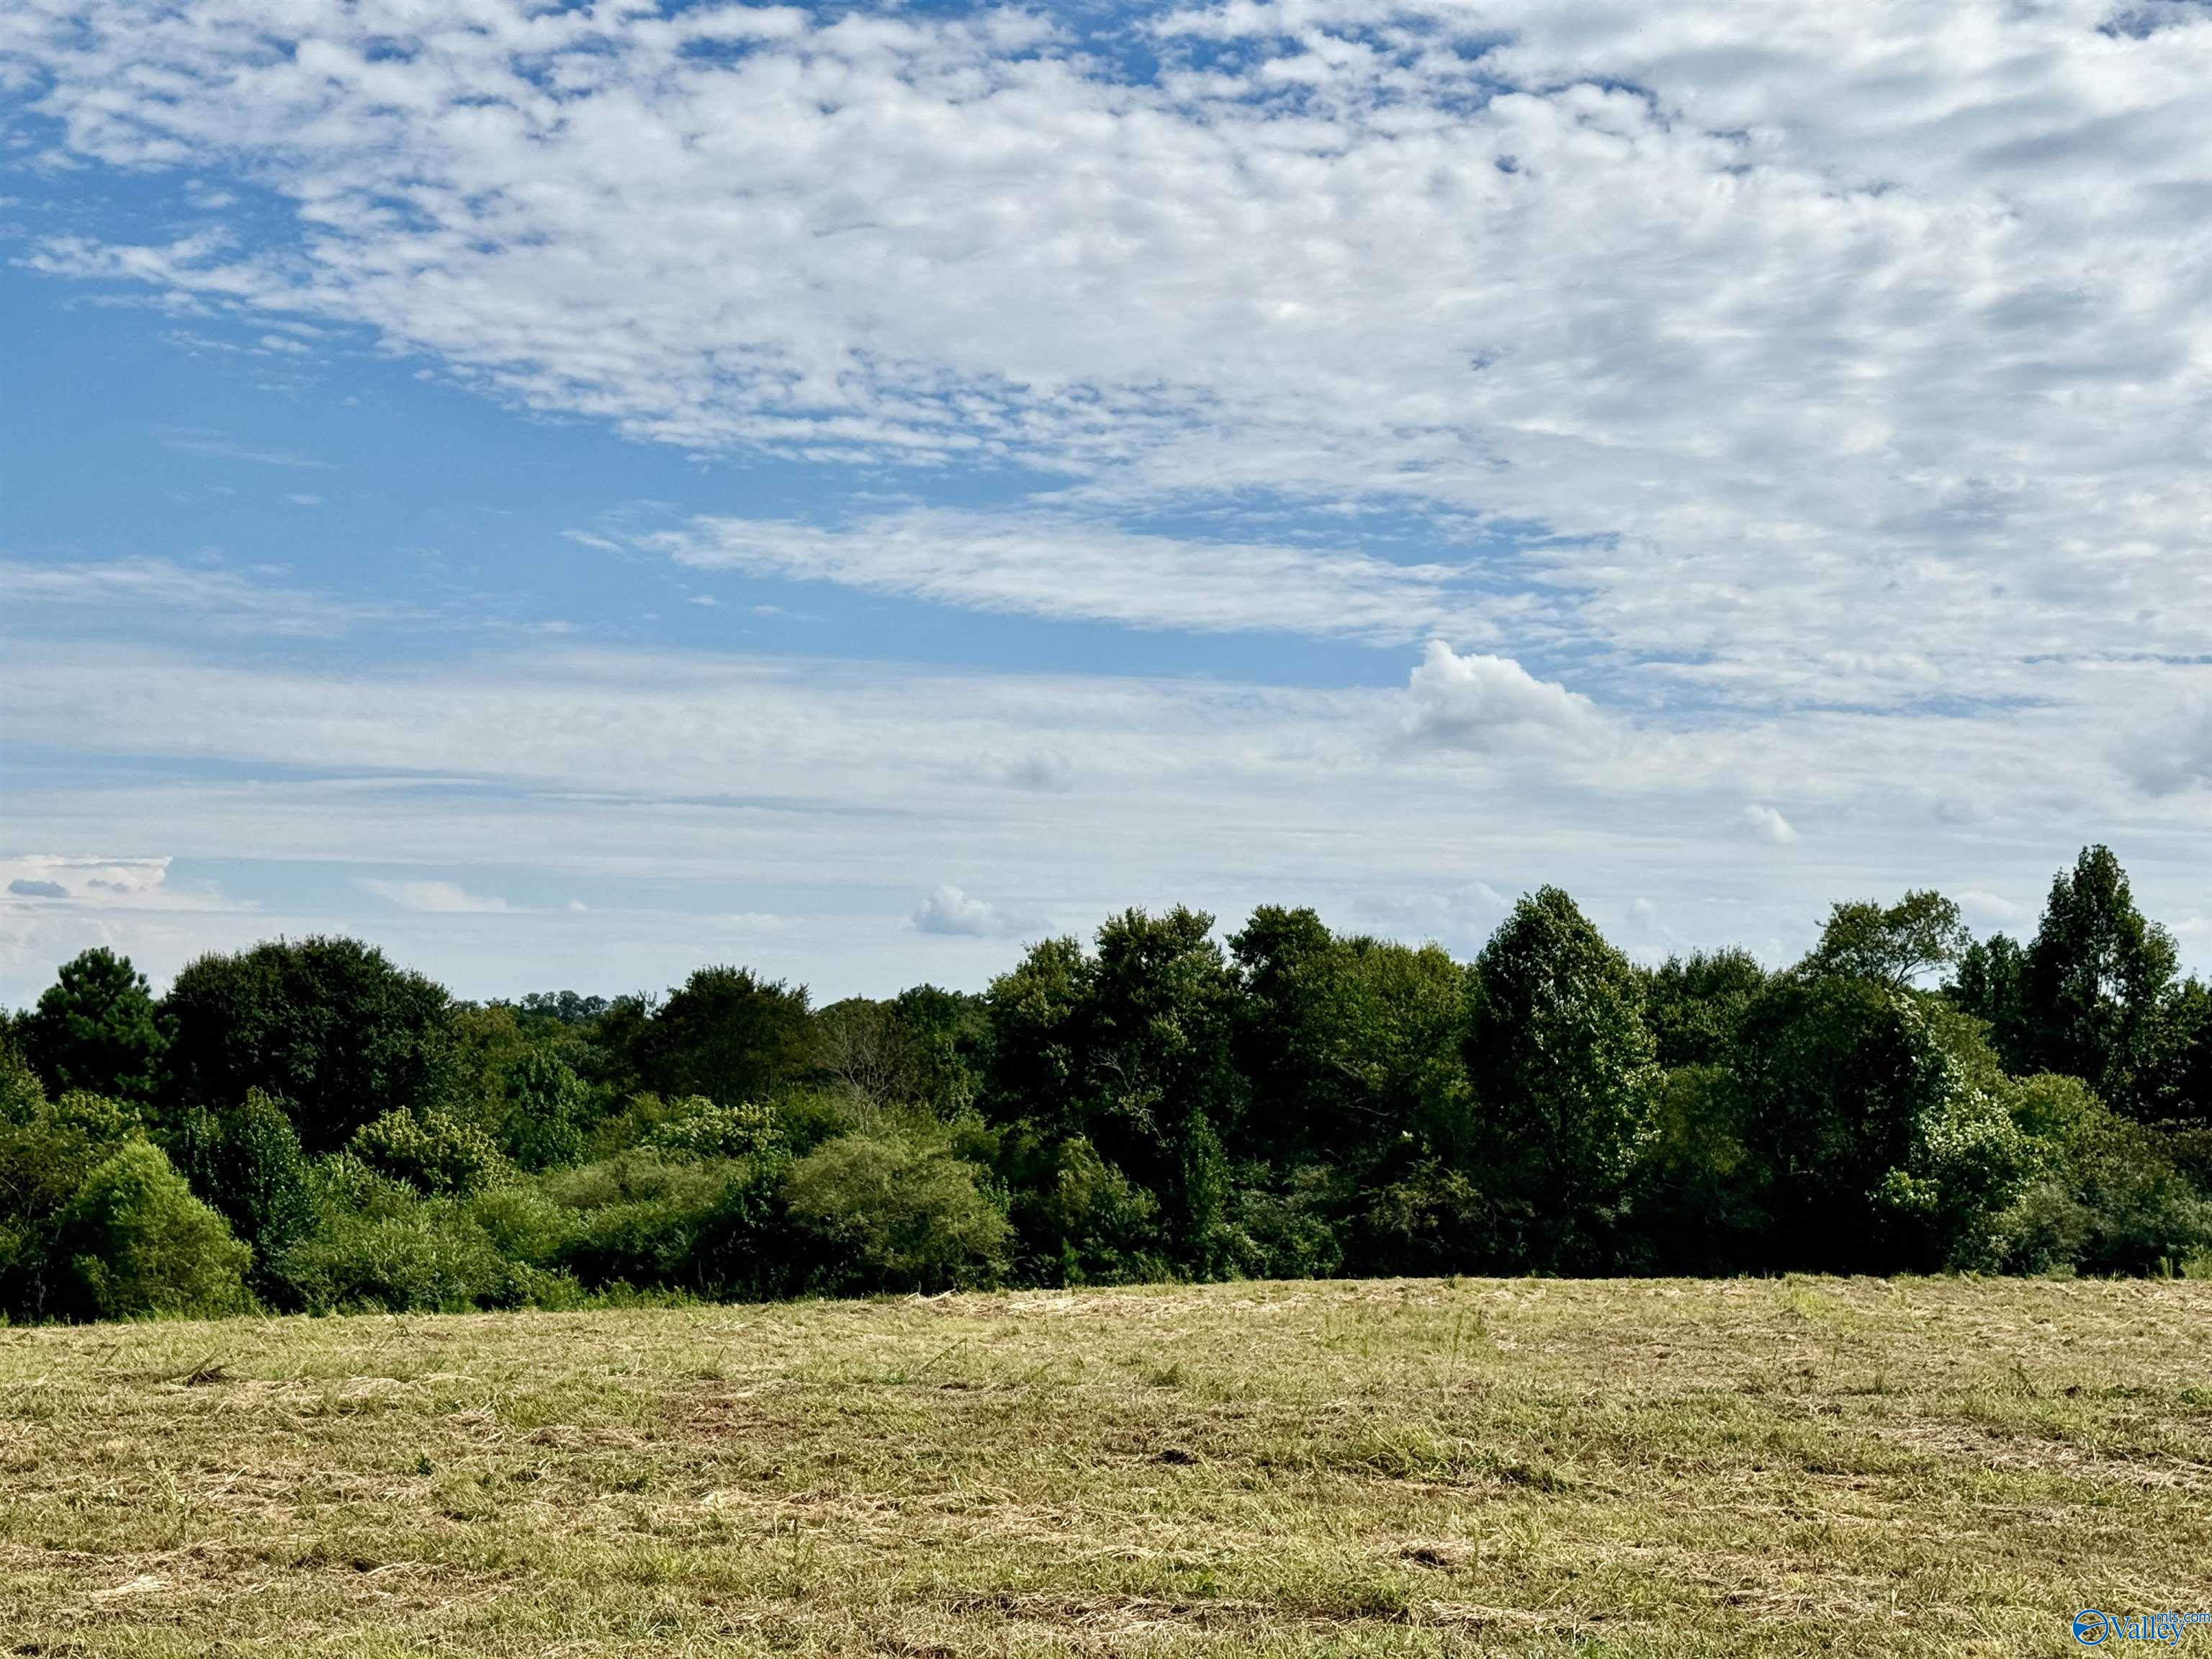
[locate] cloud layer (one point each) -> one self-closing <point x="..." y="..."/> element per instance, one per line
<point x="1780" y="433"/>
<point x="1860" y="355"/>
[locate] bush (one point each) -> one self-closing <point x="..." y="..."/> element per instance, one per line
<point x="698" y="1128"/>
<point x="890" y="1212"/>
<point x="46" y="1148"/>
<point x="247" y="1164"/>
<point x="711" y="1227"/>
<point x="433" y="1152"/>
<point x="2108" y="1197"/>
<point x="141" y="1243"/>
<point x="430" y="1258"/>
<point x="1081" y="1220"/>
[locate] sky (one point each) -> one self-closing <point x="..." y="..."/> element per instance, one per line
<point x="569" y="493"/>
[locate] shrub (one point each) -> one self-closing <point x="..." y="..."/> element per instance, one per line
<point x="247" y="1163"/>
<point x="46" y="1148"/>
<point x="141" y="1243"/>
<point x="428" y="1258"/>
<point x="711" y="1227"/>
<point x="433" y="1152"/>
<point x="2108" y="1198"/>
<point x="1081" y="1221"/>
<point x="698" y="1128"/>
<point x="890" y="1212"/>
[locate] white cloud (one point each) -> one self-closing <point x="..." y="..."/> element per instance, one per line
<point x="949" y="910"/>
<point x="104" y="882"/>
<point x="1066" y="566"/>
<point x="97" y="592"/>
<point x="1854" y="357"/>
<point x="1487" y="704"/>
<point x="440" y="898"/>
<point x="1768" y="825"/>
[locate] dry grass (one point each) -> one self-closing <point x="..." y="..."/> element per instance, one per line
<point x="1413" y="1468"/>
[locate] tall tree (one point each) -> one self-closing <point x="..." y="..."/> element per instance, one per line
<point x="731" y="1035"/>
<point x="1563" y="1068"/>
<point x="1875" y="1126"/>
<point x="1891" y="945"/>
<point x="1693" y="1003"/>
<point x="1128" y="1049"/>
<point x="1992" y="985"/>
<point x="327" y="1025"/>
<point x="95" y="1028"/>
<point x="2098" y="975"/>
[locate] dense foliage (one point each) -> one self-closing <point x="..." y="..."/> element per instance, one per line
<point x="304" y="1125"/>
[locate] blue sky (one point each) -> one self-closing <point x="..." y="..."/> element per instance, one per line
<point x="572" y="493"/>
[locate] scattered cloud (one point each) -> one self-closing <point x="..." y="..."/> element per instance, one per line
<point x="99" y="593"/>
<point x="23" y="888"/>
<point x="1663" y="317"/>
<point x="216" y="446"/>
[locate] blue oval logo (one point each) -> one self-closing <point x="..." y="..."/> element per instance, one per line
<point x="2091" y="1627"/>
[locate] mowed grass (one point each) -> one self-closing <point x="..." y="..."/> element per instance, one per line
<point x="1403" y="1467"/>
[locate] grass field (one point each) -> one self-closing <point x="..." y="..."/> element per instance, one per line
<point x="1405" y="1467"/>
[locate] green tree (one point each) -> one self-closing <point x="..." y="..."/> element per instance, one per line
<point x="1693" y="1003"/>
<point x="1877" y="1129"/>
<point x="921" y="1047"/>
<point x="2107" y="1196"/>
<point x="1892" y="944"/>
<point x="2098" y="975"/>
<point x="1992" y="985"/>
<point x="730" y="1035"/>
<point x="46" y="1148"/>
<point x="1130" y="1048"/>
<point x="1352" y="1049"/>
<point x="94" y="1028"/>
<point x="328" y="1025"/>
<point x="139" y="1243"/>
<point x="247" y="1163"/>
<point x="1563" y="1075"/>
<point x="548" y="1109"/>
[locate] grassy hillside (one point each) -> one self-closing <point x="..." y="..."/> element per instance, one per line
<point x="1386" y="1468"/>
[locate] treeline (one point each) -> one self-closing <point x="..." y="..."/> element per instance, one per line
<point x="304" y="1126"/>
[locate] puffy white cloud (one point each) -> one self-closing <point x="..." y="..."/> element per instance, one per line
<point x="135" y="883"/>
<point x="1490" y="704"/>
<point x="1768" y="825"/>
<point x="949" y="910"/>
